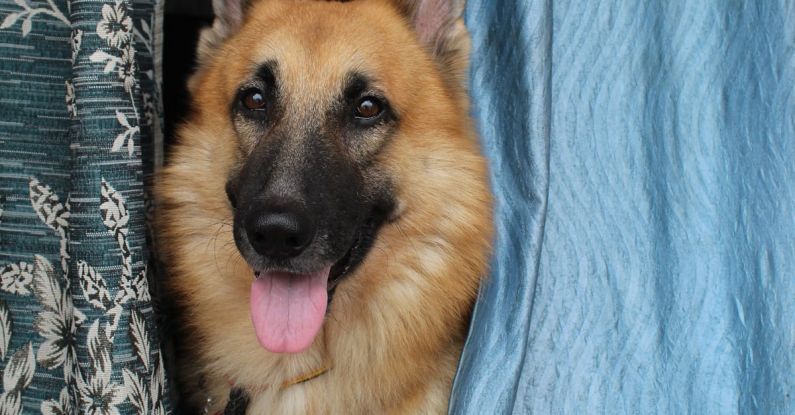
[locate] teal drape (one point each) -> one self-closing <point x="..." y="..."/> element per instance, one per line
<point x="79" y="129"/>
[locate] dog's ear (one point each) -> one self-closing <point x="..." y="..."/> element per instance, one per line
<point x="229" y="15"/>
<point x="440" y="28"/>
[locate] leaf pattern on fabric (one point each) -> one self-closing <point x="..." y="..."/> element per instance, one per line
<point x="5" y="329"/>
<point x="10" y="403"/>
<point x="28" y="13"/>
<point x="58" y="321"/>
<point x="114" y="213"/>
<point x="149" y="110"/>
<point x="118" y="30"/>
<point x="19" y="372"/>
<point x="48" y="206"/>
<point x="157" y="387"/>
<point x="128" y="68"/>
<point x="54" y="214"/>
<point x="115" y="217"/>
<point x="109" y="60"/>
<point x="71" y="102"/>
<point x="140" y="337"/>
<point x="63" y="406"/>
<point x="77" y="41"/>
<point x="98" y="394"/>
<point x="147" y="399"/>
<point x="134" y="288"/>
<point x="116" y="24"/>
<point x="125" y="137"/>
<point x="16" y="278"/>
<point x="136" y="392"/>
<point x="95" y="290"/>
<point x="17" y="376"/>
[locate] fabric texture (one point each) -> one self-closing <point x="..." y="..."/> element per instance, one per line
<point x="642" y="160"/>
<point x="79" y="120"/>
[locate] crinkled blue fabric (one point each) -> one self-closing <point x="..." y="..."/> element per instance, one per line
<point x="643" y="163"/>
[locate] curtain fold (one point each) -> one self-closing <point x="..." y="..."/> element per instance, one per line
<point x="648" y="268"/>
<point x="510" y="86"/>
<point x="79" y="126"/>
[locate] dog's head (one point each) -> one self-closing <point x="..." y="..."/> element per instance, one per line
<point x="329" y="121"/>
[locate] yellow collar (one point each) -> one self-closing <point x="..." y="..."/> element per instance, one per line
<point x="307" y="377"/>
<point x="322" y="370"/>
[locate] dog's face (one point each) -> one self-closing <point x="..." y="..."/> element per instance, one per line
<point x="309" y="192"/>
<point x="325" y="117"/>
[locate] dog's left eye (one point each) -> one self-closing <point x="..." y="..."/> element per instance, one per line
<point x="368" y="107"/>
<point x="253" y="99"/>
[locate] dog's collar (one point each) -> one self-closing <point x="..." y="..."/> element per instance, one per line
<point x="306" y="377"/>
<point x="238" y="391"/>
<point x="238" y="394"/>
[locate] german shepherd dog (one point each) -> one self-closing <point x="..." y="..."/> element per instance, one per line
<point x="325" y="214"/>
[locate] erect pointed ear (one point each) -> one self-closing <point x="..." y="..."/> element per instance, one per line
<point x="440" y="27"/>
<point x="229" y="16"/>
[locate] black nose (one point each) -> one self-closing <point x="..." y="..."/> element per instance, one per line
<point x="279" y="231"/>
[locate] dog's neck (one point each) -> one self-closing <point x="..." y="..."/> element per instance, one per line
<point x="240" y="394"/>
<point x="306" y="377"/>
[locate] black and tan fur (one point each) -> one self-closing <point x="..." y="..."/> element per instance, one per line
<point x="403" y="198"/>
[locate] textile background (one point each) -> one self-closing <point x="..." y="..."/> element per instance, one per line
<point x="79" y="125"/>
<point x="642" y="158"/>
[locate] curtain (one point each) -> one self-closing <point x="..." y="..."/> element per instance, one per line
<point x="643" y="165"/>
<point x="80" y="131"/>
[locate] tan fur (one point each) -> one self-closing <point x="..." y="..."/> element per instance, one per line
<point x="395" y="329"/>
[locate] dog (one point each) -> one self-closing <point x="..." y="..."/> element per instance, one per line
<point x="325" y="215"/>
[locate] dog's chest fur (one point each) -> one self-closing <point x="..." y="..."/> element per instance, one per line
<point x="354" y="386"/>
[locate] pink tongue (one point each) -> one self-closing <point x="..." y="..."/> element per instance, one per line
<point x="288" y="309"/>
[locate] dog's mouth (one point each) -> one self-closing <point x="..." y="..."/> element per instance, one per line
<point x="288" y="309"/>
<point x="354" y="256"/>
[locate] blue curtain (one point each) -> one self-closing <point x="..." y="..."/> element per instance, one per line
<point x="643" y="161"/>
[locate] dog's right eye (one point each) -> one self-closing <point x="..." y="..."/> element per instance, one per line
<point x="253" y="99"/>
<point x="368" y="108"/>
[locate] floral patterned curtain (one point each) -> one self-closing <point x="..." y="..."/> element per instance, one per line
<point x="80" y="133"/>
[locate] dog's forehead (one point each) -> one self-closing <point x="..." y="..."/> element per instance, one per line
<point x="312" y="67"/>
<point x="317" y="46"/>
